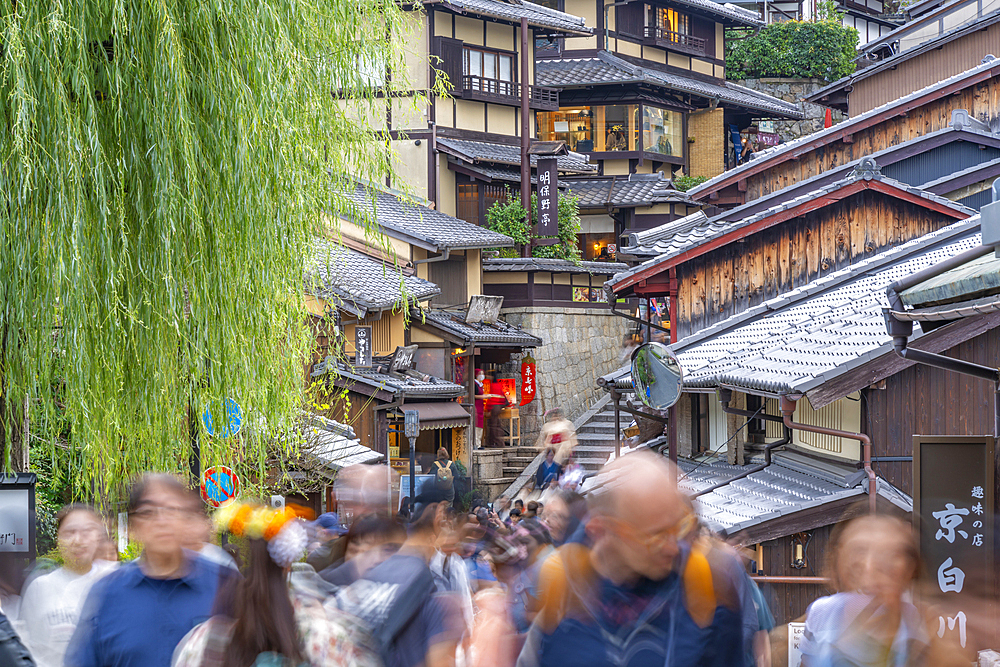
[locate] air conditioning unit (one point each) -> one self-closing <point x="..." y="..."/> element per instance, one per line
<point x="278" y="502"/>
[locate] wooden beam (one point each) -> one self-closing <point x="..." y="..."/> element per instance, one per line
<point x="937" y="341"/>
<point x="906" y="195"/>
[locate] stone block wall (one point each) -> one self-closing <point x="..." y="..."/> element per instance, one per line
<point x="793" y="90"/>
<point x="708" y="152"/>
<point x="579" y="345"/>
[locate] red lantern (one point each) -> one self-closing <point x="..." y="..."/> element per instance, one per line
<point x="527" y="380"/>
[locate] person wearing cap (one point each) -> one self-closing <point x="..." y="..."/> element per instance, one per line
<point x="329" y="534"/>
<point x="481" y="398"/>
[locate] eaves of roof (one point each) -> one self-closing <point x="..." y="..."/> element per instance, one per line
<point x="728" y="231"/>
<point x="894" y="61"/>
<point x="500" y="336"/>
<point x="803" y="145"/>
<point x="538" y="16"/>
<point x="381" y="381"/>
<point x="535" y="264"/>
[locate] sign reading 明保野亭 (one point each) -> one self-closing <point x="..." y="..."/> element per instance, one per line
<point x="953" y="515"/>
<point x="548" y="202"/>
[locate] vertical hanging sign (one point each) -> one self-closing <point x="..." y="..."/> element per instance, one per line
<point x="953" y="513"/>
<point x="362" y="347"/>
<point x="527" y="380"/>
<point x="548" y="187"/>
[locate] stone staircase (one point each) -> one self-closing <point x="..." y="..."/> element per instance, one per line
<point x="596" y="438"/>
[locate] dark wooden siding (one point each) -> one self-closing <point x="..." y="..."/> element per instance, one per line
<point x="921" y="400"/>
<point x="357" y="412"/>
<point x="630" y="19"/>
<point x="450" y="52"/>
<point x="981" y="101"/>
<point x="788" y="602"/>
<point x="923" y="70"/>
<point x="451" y="276"/>
<point x="704" y="29"/>
<point x="747" y="272"/>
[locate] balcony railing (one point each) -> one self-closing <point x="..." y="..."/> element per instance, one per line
<point x="508" y="93"/>
<point x="677" y="41"/>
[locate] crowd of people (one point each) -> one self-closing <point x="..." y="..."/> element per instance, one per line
<point x="624" y="576"/>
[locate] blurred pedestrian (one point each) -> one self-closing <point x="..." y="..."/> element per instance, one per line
<point x="481" y="397"/>
<point x="872" y="621"/>
<point x="135" y="616"/>
<point x="198" y="538"/>
<point x="264" y="621"/>
<point x="12" y="651"/>
<point x="444" y="474"/>
<point x="328" y="546"/>
<point x="548" y="470"/>
<point x="647" y="592"/>
<point x="557" y="433"/>
<point x="51" y="605"/>
<point x="371" y="540"/>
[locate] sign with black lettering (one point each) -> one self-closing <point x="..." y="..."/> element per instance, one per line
<point x="17" y="514"/>
<point x="362" y="347"/>
<point x="953" y="516"/>
<point x="402" y="358"/>
<point x="548" y="197"/>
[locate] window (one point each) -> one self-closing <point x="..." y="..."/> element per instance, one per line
<point x="489" y="71"/>
<point x="475" y="198"/>
<point x="593" y="129"/>
<point x="671" y="20"/>
<point x="662" y="131"/>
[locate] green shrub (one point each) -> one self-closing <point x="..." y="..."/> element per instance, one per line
<point x="508" y="217"/>
<point x="685" y="183"/>
<point x="822" y="49"/>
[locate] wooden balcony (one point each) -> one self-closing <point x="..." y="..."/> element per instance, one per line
<point x="675" y="41"/>
<point x="508" y="93"/>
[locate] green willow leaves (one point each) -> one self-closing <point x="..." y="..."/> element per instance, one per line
<point x="164" y="167"/>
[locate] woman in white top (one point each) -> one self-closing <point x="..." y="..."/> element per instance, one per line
<point x="52" y="603"/>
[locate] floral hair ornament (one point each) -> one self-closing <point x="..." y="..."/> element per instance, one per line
<point x="282" y="529"/>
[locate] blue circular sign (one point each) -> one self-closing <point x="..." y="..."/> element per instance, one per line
<point x="234" y="419"/>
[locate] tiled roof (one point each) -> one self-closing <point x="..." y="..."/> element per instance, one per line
<point x="359" y="284"/>
<point x="537" y="15"/>
<point x="726" y="10"/>
<point x="484" y="151"/>
<point x="422" y="225"/>
<point x="605" y="68"/>
<point x="675" y="238"/>
<point x="506" y="174"/>
<point x="792" y="483"/>
<point x="488" y="335"/>
<point x="819" y="331"/>
<point x="407" y="384"/>
<point x="778" y="153"/>
<point x="533" y="264"/>
<point x="334" y="445"/>
<point x="626" y="191"/>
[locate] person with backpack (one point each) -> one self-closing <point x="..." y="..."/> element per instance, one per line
<point x="444" y="474"/>
<point x="649" y="591"/>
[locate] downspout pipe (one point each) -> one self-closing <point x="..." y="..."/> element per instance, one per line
<point x="443" y="257"/>
<point x="607" y="33"/>
<point x="788" y="409"/>
<point x="726" y="395"/>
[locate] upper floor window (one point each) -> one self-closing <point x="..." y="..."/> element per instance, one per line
<point x="671" y="20"/>
<point x="480" y="64"/>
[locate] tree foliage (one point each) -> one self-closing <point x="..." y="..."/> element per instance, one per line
<point x="163" y="169"/>
<point x="509" y="217"/>
<point x="823" y="49"/>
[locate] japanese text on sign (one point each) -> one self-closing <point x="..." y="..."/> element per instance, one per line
<point x="362" y="347"/>
<point x="548" y="193"/>
<point x="954" y="500"/>
<point x="15" y="508"/>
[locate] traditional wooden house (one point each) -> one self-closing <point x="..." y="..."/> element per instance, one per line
<point x="464" y="150"/>
<point x="868" y="17"/>
<point x="941" y="40"/>
<point x="919" y="113"/>
<point x="712" y="268"/>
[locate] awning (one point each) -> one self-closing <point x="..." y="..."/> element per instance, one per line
<point x="445" y="414"/>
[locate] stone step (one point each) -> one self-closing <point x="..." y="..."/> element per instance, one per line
<point x="600" y="427"/>
<point x="496" y="480"/>
<point x="590" y="438"/>
<point x="519" y="461"/>
<point x="512" y="472"/>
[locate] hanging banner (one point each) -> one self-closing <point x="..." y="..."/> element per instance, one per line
<point x="527" y="380"/>
<point x="548" y="197"/>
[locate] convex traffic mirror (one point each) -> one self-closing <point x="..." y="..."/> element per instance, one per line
<point x="656" y="375"/>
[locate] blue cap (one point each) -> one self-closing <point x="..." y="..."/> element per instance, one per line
<point x="330" y="521"/>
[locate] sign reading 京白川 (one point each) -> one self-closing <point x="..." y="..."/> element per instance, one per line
<point x="953" y="515"/>
<point x="548" y="197"/>
<point x="527" y="380"/>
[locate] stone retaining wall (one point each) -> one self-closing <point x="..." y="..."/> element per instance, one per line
<point x="793" y="90"/>
<point x="580" y="345"/>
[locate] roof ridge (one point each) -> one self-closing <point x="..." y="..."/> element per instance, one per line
<point x="851" y="272"/>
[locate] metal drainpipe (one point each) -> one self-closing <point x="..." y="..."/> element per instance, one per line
<point x="525" y="130"/>
<point x="430" y="260"/>
<point x="725" y="395"/>
<point x="606" y="31"/>
<point x="788" y="409"/>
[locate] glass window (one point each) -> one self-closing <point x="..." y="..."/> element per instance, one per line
<point x="489" y="65"/>
<point x="672" y="20"/>
<point x="593" y="129"/>
<point x="662" y="131"/>
<point x="506" y="68"/>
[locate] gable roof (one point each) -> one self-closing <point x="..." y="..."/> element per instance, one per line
<point x="535" y="264"/>
<point x="421" y="225"/>
<point x="399" y="384"/>
<point x="451" y="323"/>
<point x="484" y="151"/>
<point x="810" y="335"/>
<point x="608" y="69"/>
<point x="629" y="191"/>
<point x="805" y="144"/>
<point x="539" y="17"/>
<point x="359" y="284"/>
<point x="726" y="10"/>
<point x="694" y="235"/>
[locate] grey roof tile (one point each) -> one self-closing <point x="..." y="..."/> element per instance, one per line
<point x="415" y="222"/>
<point x="533" y="264"/>
<point x="726" y="10"/>
<point x="606" y="68"/>
<point x="358" y="283"/>
<point x="537" y="15"/>
<point x="396" y="383"/>
<point x="484" y="151"/>
<point x="487" y="335"/>
<point x="626" y="191"/>
<point x="774" y="154"/>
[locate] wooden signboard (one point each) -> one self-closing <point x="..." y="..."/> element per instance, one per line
<point x="362" y="347"/>
<point x="953" y="497"/>
<point x="548" y="203"/>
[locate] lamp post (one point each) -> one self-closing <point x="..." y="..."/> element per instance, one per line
<point x="411" y="429"/>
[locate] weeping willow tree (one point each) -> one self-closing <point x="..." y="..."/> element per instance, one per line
<point x="164" y="167"/>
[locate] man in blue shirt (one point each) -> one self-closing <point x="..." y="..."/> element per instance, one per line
<point x="648" y="592"/>
<point x="136" y="616"/>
